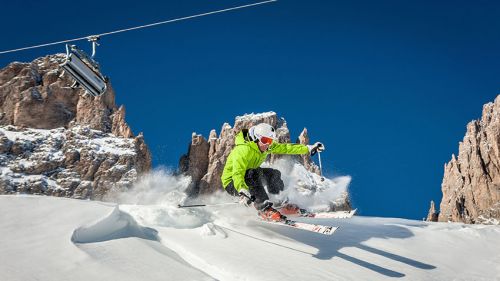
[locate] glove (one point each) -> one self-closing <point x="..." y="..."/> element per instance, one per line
<point x="245" y="197"/>
<point x="317" y="147"/>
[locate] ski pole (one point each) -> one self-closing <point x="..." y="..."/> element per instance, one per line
<point x="320" y="167"/>
<point x="205" y="205"/>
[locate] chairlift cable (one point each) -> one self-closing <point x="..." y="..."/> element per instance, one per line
<point x="139" y="27"/>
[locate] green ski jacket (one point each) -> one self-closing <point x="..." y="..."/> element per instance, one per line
<point x="247" y="155"/>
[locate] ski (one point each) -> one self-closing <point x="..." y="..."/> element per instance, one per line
<point x="317" y="228"/>
<point x="328" y="215"/>
<point x="295" y="212"/>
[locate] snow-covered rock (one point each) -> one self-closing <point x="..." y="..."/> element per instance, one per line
<point x="56" y="140"/>
<point x="78" y="162"/>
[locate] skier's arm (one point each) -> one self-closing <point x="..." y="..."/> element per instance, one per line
<point x="240" y="168"/>
<point x="288" y="148"/>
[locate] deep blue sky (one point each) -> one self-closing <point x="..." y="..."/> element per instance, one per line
<point x="388" y="86"/>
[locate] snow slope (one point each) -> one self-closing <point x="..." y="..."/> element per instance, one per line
<point x="48" y="238"/>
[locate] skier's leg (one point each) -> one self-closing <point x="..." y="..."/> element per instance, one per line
<point x="274" y="186"/>
<point x="253" y="179"/>
<point x="273" y="179"/>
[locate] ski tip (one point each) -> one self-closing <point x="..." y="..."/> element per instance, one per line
<point x="325" y="230"/>
<point x="331" y="231"/>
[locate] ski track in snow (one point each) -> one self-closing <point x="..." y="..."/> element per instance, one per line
<point x="103" y="241"/>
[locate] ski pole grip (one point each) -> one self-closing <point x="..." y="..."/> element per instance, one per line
<point x="250" y="198"/>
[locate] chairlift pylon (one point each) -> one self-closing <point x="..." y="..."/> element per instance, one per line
<point x="84" y="69"/>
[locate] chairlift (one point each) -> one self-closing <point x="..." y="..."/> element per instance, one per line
<point x="84" y="69"/>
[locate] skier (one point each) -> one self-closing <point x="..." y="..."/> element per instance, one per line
<point x="243" y="176"/>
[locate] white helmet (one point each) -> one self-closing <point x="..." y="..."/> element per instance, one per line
<point x="262" y="130"/>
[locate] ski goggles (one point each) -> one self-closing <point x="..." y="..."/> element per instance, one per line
<point x="266" y="140"/>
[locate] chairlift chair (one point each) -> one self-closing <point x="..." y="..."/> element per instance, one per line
<point x="84" y="69"/>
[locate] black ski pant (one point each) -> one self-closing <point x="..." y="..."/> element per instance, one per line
<point x="256" y="179"/>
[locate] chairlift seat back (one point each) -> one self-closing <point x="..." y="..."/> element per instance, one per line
<point x="91" y="81"/>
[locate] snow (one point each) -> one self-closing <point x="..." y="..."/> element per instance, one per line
<point x="37" y="243"/>
<point x="145" y="236"/>
<point x="48" y="238"/>
<point x="103" y="143"/>
<point x="85" y="137"/>
<point x="306" y="189"/>
<point x="27" y="135"/>
<point x="255" y="116"/>
<point x="113" y="145"/>
<point x="19" y="178"/>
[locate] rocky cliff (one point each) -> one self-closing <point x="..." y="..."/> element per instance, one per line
<point x="205" y="159"/>
<point x="471" y="182"/>
<point x="56" y="140"/>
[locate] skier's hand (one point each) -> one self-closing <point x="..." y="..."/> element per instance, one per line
<point x="245" y="197"/>
<point x="317" y="147"/>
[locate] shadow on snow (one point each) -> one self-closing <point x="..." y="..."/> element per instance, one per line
<point x="352" y="233"/>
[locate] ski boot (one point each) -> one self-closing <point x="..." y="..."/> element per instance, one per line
<point x="292" y="209"/>
<point x="280" y="203"/>
<point x="271" y="214"/>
